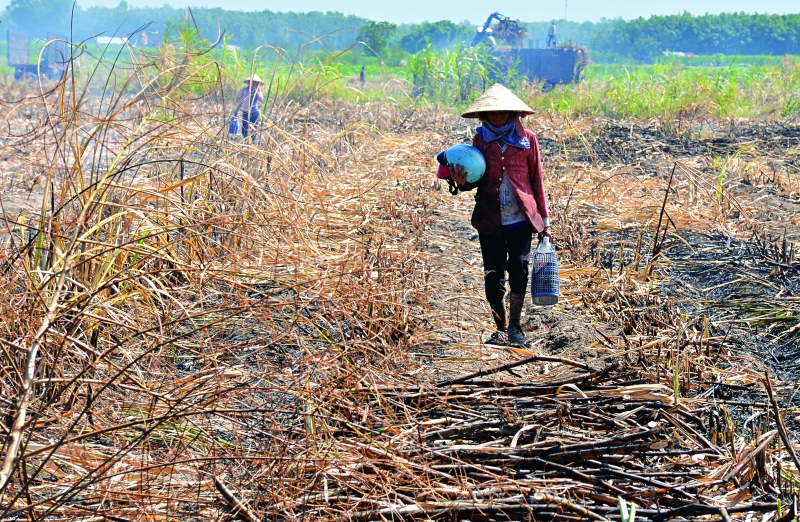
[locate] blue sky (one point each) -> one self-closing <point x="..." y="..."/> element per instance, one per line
<point x="476" y="11"/>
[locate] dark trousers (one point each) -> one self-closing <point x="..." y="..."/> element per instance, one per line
<point x="248" y="119"/>
<point x="551" y="40"/>
<point x="509" y="253"/>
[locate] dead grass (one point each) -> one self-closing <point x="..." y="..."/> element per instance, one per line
<point x="189" y="321"/>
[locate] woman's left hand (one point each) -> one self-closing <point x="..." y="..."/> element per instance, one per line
<point x="459" y="175"/>
<point x="546" y="232"/>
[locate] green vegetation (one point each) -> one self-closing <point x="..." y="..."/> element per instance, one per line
<point x="668" y="91"/>
<point x="247" y="29"/>
<point x="452" y="77"/>
<point x="438" y="34"/>
<point x="736" y="33"/>
<point x="724" y="60"/>
<point x="376" y="36"/>
<point x="612" y="41"/>
<point x="444" y="72"/>
<point x="29" y="16"/>
<point x="673" y="91"/>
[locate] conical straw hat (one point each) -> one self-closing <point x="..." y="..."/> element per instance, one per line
<point x="254" y="79"/>
<point x="497" y="98"/>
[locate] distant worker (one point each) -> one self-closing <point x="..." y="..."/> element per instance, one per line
<point x="490" y="37"/>
<point x="551" y="34"/>
<point x="361" y="76"/>
<point x="250" y="100"/>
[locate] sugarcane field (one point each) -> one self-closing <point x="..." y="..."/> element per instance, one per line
<point x="269" y="283"/>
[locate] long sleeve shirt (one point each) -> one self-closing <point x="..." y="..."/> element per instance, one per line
<point x="250" y="100"/>
<point x="523" y="170"/>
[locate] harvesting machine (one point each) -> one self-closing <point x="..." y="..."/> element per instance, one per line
<point x="549" y="65"/>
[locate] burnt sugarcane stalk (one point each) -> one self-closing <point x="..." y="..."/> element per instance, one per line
<point x="511" y="366"/>
<point x="583" y="476"/>
<point x="779" y="421"/>
<point x="696" y="510"/>
<point x="614" y="470"/>
<point x="600" y="444"/>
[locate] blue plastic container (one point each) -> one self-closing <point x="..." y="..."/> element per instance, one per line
<point x="544" y="282"/>
<point x="234" y="126"/>
<point x="468" y="157"/>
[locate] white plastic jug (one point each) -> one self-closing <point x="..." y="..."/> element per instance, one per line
<point x="544" y="281"/>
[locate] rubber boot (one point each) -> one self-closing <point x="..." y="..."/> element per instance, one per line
<point x="515" y="335"/>
<point x="499" y="315"/>
<point x="499" y="338"/>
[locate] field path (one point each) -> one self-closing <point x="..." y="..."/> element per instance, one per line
<point x="652" y="355"/>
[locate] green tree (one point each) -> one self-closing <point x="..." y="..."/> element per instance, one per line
<point x="376" y="36"/>
<point x="726" y="33"/>
<point x="39" y="16"/>
<point x="439" y="34"/>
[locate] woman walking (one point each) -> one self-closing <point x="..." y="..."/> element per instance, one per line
<point x="250" y="100"/>
<point x="510" y="204"/>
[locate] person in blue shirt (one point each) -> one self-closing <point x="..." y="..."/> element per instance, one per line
<point x="250" y="101"/>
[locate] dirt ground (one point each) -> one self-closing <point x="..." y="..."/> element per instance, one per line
<point x="550" y="330"/>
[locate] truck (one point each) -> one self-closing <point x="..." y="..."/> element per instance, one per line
<point x="550" y="66"/>
<point x="55" y="60"/>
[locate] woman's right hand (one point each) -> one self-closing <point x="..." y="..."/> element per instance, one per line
<point x="458" y="174"/>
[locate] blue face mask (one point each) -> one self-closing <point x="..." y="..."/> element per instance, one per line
<point x="507" y="133"/>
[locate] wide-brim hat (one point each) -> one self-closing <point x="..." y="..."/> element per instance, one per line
<point x="254" y="79"/>
<point x="497" y="98"/>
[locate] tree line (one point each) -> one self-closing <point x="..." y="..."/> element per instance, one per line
<point x="644" y="38"/>
<point x="728" y="33"/>
<point x="641" y="39"/>
<point x="247" y="30"/>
